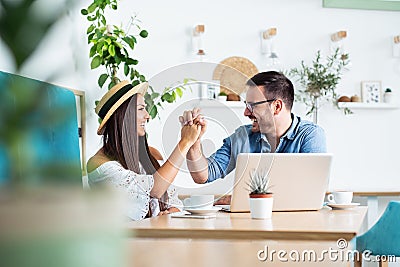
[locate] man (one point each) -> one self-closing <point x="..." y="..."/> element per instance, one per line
<point x="275" y="129"/>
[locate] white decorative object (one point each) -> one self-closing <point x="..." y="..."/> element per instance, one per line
<point x="388" y="96"/>
<point x="371" y="91"/>
<point x="203" y="90"/>
<point x="337" y="40"/>
<point x="268" y="49"/>
<point x="198" y="42"/>
<point x="261" y="208"/>
<point x="211" y="94"/>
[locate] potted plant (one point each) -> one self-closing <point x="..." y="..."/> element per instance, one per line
<point x="261" y="199"/>
<point x="319" y="81"/>
<point x="222" y="96"/>
<point x="388" y="96"/>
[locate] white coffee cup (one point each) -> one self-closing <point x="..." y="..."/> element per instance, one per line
<point x="199" y="202"/>
<point x="340" y="197"/>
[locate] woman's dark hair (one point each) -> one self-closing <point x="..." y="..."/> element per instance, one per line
<point x="276" y="85"/>
<point x="113" y="147"/>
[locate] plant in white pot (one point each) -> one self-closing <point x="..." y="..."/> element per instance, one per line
<point x="261" y="199"/>
<point x="222" y="96"/>
<point x="388" y="96"/>
<point x="319" y="80"/>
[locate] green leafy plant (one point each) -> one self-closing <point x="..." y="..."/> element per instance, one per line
<point x="222" y="94"/>
<point x="319" y="80"/>
<point x="170" y="94"/>
<point x="259" y="183"/>
<point x="111" y="45"/>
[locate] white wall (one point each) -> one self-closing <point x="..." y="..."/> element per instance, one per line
<point x="365" y="144"/>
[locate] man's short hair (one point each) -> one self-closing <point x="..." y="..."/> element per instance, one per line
<point x="275" y="85"/>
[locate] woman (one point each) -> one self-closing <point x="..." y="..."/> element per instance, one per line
<point x="125" y="161"/>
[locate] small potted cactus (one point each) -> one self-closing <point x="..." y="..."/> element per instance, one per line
<point x="261" y="199"/>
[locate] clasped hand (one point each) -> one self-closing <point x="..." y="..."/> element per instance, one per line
<point x="193" y="117"/>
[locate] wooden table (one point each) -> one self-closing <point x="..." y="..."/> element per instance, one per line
<point x="325" y="224"/>
<point x="171" y="252"/>
<point x="234" y="239"/>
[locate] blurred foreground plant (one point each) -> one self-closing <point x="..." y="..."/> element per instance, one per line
<point x="44" y="221"/>
<point x="23" y="26"/>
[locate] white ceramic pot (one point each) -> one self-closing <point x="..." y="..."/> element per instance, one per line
<point x="222" y="97"/>
<point x="388" y="97"/>
<point x="261" y="207"/>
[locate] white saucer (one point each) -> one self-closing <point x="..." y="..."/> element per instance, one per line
<point x="204" y="211"/>
<point x="343" y="206"/>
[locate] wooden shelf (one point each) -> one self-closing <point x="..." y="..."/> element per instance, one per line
<point x="359" y="105"/>
<point x="214" y="103"/>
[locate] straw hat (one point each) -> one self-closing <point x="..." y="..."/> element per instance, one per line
<point x="117" y="95"/>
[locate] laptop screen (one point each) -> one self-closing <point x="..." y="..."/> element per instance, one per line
<point x="299" y="181"/>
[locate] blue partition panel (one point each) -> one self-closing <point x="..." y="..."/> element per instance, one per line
<point x="39" y="140"/>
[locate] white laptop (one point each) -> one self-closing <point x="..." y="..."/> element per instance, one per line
<point x="299" y="181"/>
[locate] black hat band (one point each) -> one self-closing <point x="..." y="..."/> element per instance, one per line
<point x="113" y="99"/>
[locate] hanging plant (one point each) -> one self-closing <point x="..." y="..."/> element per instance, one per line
<point x="111" y="45"/>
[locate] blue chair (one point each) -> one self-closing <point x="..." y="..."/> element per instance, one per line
<point x="383" y="239"/>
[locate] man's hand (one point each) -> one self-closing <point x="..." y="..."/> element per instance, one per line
<point x="188" y="116"/>
<point x="164" y="212"/>
<point x="194" y="116"/>
<point x="196" y="162"/>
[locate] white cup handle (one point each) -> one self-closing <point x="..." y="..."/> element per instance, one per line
<point x="186" y="201"/>
<point x="331" y="198"/>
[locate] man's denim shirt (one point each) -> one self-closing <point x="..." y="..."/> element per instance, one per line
<point x="301" y="137"/>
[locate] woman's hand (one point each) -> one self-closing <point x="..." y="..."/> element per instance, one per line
<point x="168" y="211"/>
<point x="164" y="212"/>
<point x="190" y="134"/>
<point x="200" y="120"/>
<point x="190" y="117"/>
<point x="173" y="209"/>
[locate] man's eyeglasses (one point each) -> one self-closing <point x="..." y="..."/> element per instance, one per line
<point x="250" y="106"/>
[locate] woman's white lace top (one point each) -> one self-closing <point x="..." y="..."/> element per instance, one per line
<point x="136" y="188"/>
